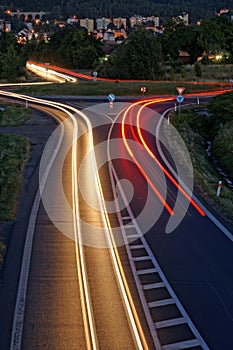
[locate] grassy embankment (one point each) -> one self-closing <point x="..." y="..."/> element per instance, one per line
<point x="118" y="88"/>
<point x="14" y="151"/>
<point x="196" y="129"/>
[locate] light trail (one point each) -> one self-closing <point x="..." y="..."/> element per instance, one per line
<point x="50" y="74"/>
<point x="88" y="317"/>
<point x="151" y="154"/>
<point x="90" y="78"/>
<point x="169" y="176"/>
<point x="153" y="187"/>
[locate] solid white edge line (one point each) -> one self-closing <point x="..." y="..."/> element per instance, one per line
<point x="208" y="213"/>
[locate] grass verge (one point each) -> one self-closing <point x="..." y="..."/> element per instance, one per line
<point x="206" y="177"/>
<point x="14" y="151"/>
<point x="14" y="115"/>
<point x="118" y="88"/>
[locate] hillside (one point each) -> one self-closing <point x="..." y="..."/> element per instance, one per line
<point x="96" y="8"/>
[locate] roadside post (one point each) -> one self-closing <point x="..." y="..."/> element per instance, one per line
<point x="180" y="98"/>
<point x="95" y="75"/>
<point x="219" y="188"/>
<point x="26" y="102"/>
<point x="143" y="90"/>
<point x="111" y="99"/>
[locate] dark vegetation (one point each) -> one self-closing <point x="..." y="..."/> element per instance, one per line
<point x="146" y="57"/>
<point x="100" y="88"/>
<point x="215" y="124"/>
<point x="14" y="151"/>
<point x="68" y="47"/>
<point x="141" y="56"/>
<point x="12" y="58"/>
<point x="109" y="8"/>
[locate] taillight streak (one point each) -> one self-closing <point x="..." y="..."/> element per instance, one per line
<point x="143" y="142"/>
<point x="153" y="187"/>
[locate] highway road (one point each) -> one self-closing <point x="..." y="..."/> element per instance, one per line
<point x="194" y="254"/>
<point x="72" y="293"/>
<point x="181" y="261"/>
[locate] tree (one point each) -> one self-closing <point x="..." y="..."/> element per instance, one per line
<point x="70" y="47"/>
<point x="137" y="58"/>
<point x="12" y="58"/>
<point x="179" y="37"/>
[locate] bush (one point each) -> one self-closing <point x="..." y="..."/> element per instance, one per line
<point x="197" y="69"/>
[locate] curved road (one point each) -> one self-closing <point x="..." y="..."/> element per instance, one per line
<point x="77" y="295"/>
<point x="196" y="256"/>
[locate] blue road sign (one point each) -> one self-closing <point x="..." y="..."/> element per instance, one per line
<point x="180" y="98"/>
<point x="111" y="97"/>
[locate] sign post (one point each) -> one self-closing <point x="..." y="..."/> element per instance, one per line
<point x="143" y="90"/>
<point x="111" y="99"/>
<point x="180" y="98"/>
<point x="180" y="90"/>
<point x="95" y="76"/>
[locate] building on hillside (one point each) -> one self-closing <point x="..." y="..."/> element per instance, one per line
<point x="102" y="23"/>
<point x="60" y="24"/>
<point x="5" y="26"/>
<point x="145" y="21"/>
<point x="135" y="21"/>
<point x="87" y="23"/>
<point x="109" y="37"/>
<point x="185" y="57"/>
<point x="72" y="20"/>
<point x="185" y="17"/>
<point x="119" y="22"/>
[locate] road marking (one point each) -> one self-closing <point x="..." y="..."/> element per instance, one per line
<point x="153" y="285"/>
<point x="181" y="345"/>
<point x="170" y="323"/>
<point x="162" y="302"/>
<point x="141" y="258"/>
<point x="146" y="271"/>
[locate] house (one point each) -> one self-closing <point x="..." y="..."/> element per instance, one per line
<point x="5" y="26"/>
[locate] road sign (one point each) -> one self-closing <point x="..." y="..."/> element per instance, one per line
<point x="143" y="89"/>
<point x="95" y="76"/>
<point x="180" y="98"/>
<point x="111" y="97"/>
<point x="180" y="90"/>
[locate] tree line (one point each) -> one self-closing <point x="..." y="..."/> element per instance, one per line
<point x="13" y="58"/>
<point x="142" y="56"/>
<point x="99" y="8"/>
